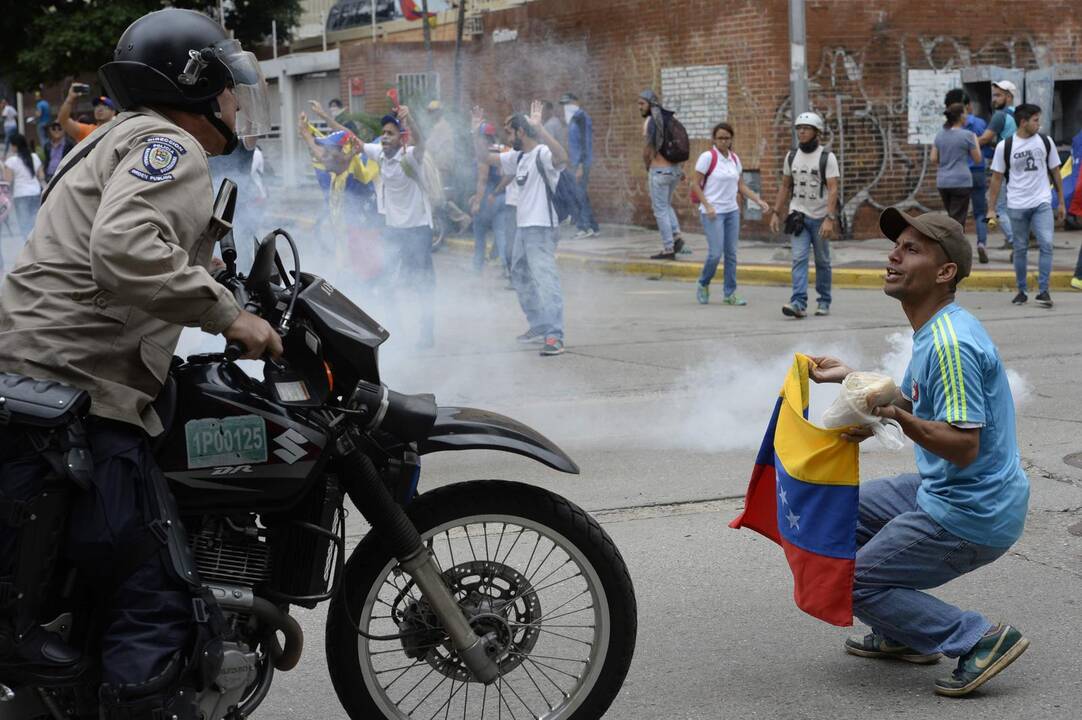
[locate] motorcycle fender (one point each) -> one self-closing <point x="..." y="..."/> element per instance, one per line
<point x="459" y="428"/>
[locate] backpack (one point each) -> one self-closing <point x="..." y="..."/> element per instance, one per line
<point x="564" y="199"/>
<point x="675" y="146"/>
<point x="714" y="155"/>
<point x="1009" y="143"/>
<point x="824" y="158"/>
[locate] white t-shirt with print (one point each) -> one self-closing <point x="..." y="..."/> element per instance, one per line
<point x="1029" y="185"/>
<point x="532" y="202"/>
<point x="723" y="183"/>
<point x="25" y="183"/>
<point x="402" y="198"/>
<point x="806" y="181"/>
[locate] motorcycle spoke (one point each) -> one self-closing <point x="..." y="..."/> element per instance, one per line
<point x="538" y="569"/>
<point x="546" y="675"/>
<point x="399" y="676"/>
<point x="539" y="690"/>
<point x="447" y="713"/>
<point x="499" y="689"/>
<point x="499" y="543"/>
<point x="466" y="529"/>
<point x="450" y="549"/>
<point x="484" y="533"/>
<point x="565" y="637"/>
<point x="532" y="553"/>
<point x="415" y="686"/>
<point x="430" y="692"/>
<point x="554" y="669"/>
<point x="395" y="669"/>
<point x="518" y="536"/>
<point x="519" y="697"/>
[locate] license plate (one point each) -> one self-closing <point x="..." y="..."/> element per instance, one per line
<point x="238" y="440"/>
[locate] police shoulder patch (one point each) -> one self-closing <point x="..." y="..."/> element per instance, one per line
<point x="160" y="157"/>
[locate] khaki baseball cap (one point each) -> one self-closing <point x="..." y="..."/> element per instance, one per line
<point x="938" y="227"/>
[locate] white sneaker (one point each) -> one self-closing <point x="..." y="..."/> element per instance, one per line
<point x="582" y="234"/>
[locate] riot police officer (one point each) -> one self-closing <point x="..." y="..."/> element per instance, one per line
<point x="116" y="265"/>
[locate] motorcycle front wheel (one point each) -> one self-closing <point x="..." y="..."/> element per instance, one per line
<point x="528" y="567"/>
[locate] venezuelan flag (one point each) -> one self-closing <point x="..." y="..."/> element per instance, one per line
<point x="803" y="495"/>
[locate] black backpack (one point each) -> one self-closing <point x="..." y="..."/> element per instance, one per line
<point x="564" y="200"/>
<point x="1009" y="143"/>
<point x="675" y="146"/>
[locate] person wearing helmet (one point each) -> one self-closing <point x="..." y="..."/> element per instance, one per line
<point x="808" y="199"/>
<point x="115" y="267"/>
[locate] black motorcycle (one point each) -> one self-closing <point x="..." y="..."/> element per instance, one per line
<point x="480" y="599"/>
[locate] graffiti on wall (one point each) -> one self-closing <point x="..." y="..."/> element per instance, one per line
<point x="699" y="94"/>
<point x="879" y="129"/>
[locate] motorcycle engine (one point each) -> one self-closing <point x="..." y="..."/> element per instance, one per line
<point x="238" y="672"/>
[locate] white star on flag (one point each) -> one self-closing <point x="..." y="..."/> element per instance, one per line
<point x="794" y="520"/>
<point x="784" y="501"/>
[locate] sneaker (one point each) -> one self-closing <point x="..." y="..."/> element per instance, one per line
<point x="531" y="337"/>
<point x="664" y="255"/>
<point x="1076" y="283"/>
<point x="593" y="232"/>
<point x="987" y="658"/>
<point x="792" y="310"/>
<point x="877" y="646"/>
<point x="1020" y="299"/>
<point x="553" y="346"/>
<point x="982" y="254"/>
<point x="822" y="310"/>
<point x="1044" y="299"/>
<point x="702" y="294"/>
<point x="582" y="234"/>
<point x="735" y="300"/>
<point x="677" y="244"/>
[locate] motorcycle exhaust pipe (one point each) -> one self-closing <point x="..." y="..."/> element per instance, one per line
<point x="242" y="599"/>
<point x="389" y="520"/>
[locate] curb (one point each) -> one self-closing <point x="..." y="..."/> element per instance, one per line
<point x="779" y="275"/>
<point x="850" y="278"/>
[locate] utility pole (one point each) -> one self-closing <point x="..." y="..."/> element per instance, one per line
<point x="426" y="29"/>
<point x="459" y="30"/>
<point x="798" y="64"/>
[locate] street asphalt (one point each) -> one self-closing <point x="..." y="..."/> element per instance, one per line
<point x="662" y="402"/>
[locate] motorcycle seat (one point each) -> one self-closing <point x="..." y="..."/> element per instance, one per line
<point x="40" y="403"/>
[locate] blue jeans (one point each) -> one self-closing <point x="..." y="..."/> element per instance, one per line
<point x="802" y="246"/>
<point x="901" y="551"/>
<point x="585" y="219"/>
<point x="488" y="218"/>
<point x="26" y="210"/>
<point x="663" y="182"/>
<point x="722" y="235"/>
<point x="1041" y="221"/>
<point x="408" y="264"/>
<point x="979" y="201"/>
<point x="537" y="279"/>
<point x="1004" y="215"/>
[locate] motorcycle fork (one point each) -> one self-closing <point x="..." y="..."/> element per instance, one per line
<point x="387" y="518"/>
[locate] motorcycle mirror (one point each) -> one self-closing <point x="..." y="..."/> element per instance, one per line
<point x="225" y="204"/>
<point x="263" y="265"/>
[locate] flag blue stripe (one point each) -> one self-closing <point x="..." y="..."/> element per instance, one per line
<point x="824" y="517"/>
<point x="766" y="450"/>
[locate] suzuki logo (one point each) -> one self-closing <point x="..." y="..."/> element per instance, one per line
<point x="292" y="446"/>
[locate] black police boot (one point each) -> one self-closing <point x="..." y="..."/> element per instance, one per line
<point x="37" y="655"/>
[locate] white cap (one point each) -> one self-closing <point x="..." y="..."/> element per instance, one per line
<point x="809" y="118"/>
<point x="1008" y="86"/>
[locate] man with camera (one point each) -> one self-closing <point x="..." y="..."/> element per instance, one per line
<point x="809" y="190"/>
<point x="104" y="111"/>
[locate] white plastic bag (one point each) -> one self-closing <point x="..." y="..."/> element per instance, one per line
<point x="853" y="406"/>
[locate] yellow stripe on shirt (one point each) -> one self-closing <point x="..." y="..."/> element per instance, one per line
<point x="948" y="387"/>
<point x="958" y="367"/>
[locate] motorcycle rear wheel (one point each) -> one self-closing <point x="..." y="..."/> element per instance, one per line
<point x="525" y="564"/>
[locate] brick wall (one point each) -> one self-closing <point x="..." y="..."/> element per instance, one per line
<point x="860" y="57"/>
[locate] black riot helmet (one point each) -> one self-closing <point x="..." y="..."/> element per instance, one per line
<point x="184" y="60"/>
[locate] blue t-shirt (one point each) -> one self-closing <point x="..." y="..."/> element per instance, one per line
<point x="977" y="126"/>
<point x="46" y="115"/>
<point x="956" y="376"/>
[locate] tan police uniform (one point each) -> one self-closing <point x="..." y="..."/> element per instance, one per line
<point x="115" y="266"/>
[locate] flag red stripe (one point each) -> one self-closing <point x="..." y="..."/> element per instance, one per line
<point x="760" y="506"/>
<point x="822" y="586"/>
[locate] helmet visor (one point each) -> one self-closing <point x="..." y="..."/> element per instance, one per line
<point x="249" y="86"/>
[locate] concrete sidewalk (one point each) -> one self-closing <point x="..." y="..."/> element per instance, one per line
<point x="626" y="250"/>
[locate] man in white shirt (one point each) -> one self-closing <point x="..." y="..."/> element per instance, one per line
<point x="408" y="233"/>
<point x="534" y="164"/>
<point x="1027" y="161"/>
<point x="812" y="218"/>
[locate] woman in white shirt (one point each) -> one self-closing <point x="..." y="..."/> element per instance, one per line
<point x="24" y="172"/>
<point x="718" y="185"/>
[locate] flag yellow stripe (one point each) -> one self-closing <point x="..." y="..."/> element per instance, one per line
<point x="948" y="390"/>
<point x="958" y="369"/>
